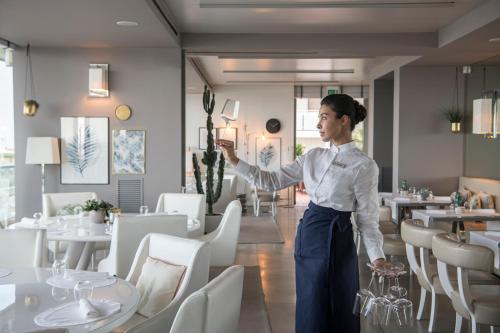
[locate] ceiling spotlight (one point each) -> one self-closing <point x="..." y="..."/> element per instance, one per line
<point x="495" y="40"/>
<point x="127" y="23"/>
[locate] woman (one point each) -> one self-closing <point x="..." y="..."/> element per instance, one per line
<point x="339" y="180"/>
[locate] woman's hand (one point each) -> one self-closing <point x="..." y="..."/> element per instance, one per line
<point x="378" y="263"/>
<point x="228" y="149"/>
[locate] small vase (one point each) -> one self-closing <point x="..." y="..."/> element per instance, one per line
<point x="96" y="216"/>
<point x="459" y="210"/>
<point x="455" y="127"/>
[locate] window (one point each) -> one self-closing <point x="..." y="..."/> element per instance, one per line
<point x="7" y="187"/>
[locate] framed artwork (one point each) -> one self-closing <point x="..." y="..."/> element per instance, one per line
<point x="230" y="133"/>
<point x="129" y="152"/>
<point x="84" y="150"/>
<point x="268" y="153"/>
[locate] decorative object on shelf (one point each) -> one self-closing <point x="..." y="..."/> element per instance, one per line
<point x="273" y="125"/>
<point x="129" y="151"/>
<point x="268" y="153"/>
<point x="209" y="159"/>
<point x="42" y="150"/>
<point x="485" y="118"/>
<point x="458" y="201"/>
<point x="97" y="210"/>
<point x="84" y="147"/>
<point x="30" y="107"/>
<point x="98" y="80"/>
<point x="230" y="111"/>
<point x="228" y="133"/>
<point x="123" y="112"/>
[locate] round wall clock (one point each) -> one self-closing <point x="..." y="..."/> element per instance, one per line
<point x="273" y="125"/>
<point x="123" y="112"/>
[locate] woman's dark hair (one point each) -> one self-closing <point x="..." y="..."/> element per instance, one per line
<point x="343" y="104"/>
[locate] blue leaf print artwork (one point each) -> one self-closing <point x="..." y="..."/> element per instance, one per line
<point x="81" y="150"/>
<point x="128" y="151"/>
<point x="266" y="154"/>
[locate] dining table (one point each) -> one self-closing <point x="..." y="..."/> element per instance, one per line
<point x="25" y="295"/>
<point x="399" y="204"/>
<point x="430" y="216"/>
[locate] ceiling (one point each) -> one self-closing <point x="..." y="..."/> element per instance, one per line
<point x="82" y="23"/>
<point x="193" y="19"/>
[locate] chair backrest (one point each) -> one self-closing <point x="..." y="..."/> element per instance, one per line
<point x="192" y="253"/>
<point x="190" y="204"/>
<point x="461" y="257"/>
<point x="128" y="232"/>
<point x="52" y="202"/>
<point x="23" y="248"/>
<point x="214" y="308"/>
<point x="228" y="194"/>
<point x="417" y="237"/>
<point x="225" y="242"/>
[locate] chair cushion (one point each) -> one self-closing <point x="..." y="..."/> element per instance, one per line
<point x="394" y="245"/>
<point x="486" y="303"/>
<point x="487" y="201"/>
<point x="385" y="214"/>
<point x="157" y="285"/>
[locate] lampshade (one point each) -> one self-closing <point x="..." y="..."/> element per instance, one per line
<point x="98" y="80"/>
<point x="482" y="117"/>
<point x="230" y="110"/>
<point x="42" y="150"/>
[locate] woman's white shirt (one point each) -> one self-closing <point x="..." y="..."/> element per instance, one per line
<point x="340" y="177"/>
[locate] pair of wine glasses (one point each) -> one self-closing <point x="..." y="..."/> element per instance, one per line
<point x="384" y="300"/>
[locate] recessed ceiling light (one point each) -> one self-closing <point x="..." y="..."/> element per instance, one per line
<point x="495" y="40"/>
<point x="127" y="23"/>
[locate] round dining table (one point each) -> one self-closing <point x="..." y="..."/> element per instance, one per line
<point x="24" y="293"/>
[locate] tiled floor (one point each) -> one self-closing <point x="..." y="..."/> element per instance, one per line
<point x="278" y="281"/>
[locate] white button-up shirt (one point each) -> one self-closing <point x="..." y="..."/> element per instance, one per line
<point x="340" y="177"/>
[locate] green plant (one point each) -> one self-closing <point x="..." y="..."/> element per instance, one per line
<point x="209" y="159"/>
<point x="424" y="193"/>
<point x="404" y="185"/>
<point x="299" y="149"/>
<point x="453" y="115"/>
<point x="96" y="205"/>
<point x="458" y="199"/>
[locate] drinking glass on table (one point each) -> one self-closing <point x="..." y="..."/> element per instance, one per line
<point x="38" y="218"/>
<point x="83" y="290"/>
<point x="58" y="267"/>
<point x="143" y="210"/>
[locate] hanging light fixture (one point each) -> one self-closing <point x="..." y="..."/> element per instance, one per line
<point x="98" y="80"/>
<point x="31" y="106"/>
<point x="485" y="119"/>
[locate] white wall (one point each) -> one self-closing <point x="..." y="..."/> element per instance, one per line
<point x="257" y="105"/>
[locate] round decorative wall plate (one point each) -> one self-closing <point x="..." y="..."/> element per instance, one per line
<point x="123" y="112"/>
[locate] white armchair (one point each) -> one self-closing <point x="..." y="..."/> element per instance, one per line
<point x="228" y="193"/>
<point x="52" y="202"/>
<point x="214" y="308"/>
<point x="23" y="248"/>
<point x="193" y="254"/>
<point x="192" y="205"/>
<point x="224" y="240"/>
<point x="128" y="231"/>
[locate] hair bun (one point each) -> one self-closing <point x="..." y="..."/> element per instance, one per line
<point x="360" y="112"/>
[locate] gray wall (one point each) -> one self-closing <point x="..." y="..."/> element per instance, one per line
<point x="482" y="155"/>
<point x="429" y="154"/>
<point x="382" y="130"/>
<point x="149" y="80"/>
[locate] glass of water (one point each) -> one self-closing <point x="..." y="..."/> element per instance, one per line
<point x="58" y="267"/>
<point x="83" y="290"/>
<point x="38" y="218"/>
<point x="143" y="210"/>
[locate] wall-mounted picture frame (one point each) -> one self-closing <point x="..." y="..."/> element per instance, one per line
<point x="268" y="153"/>
<point x="228" y="133"/>
<point x="128" y="151"/>
<point x="84" y="150"/>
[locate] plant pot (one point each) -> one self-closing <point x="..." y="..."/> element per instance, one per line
<point x="455" y="127"/>
<point x="96" y="216"/>
<point x="212" y="222"/>
<point x="459" y="210"/>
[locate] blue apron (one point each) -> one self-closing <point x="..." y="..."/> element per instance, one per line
<point x="326" y="272"/>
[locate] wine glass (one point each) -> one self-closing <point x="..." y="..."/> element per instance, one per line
<point x="58" y="267"/>
<point x="396" y="291"/>
<point x="403" y="312"/>
<point x="83" y="290"/>
<point x="59" y="294"/>
<point x="143" y="210"/>
<point x="38" y="217"/>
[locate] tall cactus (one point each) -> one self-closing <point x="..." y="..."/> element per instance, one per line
<point x="209" y="159"/>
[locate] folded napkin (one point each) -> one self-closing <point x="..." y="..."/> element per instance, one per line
<point x="87" y="309"/>
<point x="88" y="276"/>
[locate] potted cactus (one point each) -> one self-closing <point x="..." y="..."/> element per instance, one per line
<point x="212" y="191"/>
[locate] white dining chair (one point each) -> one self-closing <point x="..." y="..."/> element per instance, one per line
<point x="190" y="204"/>
<point x="228" y="193"/>
<point x="23" y="248"/>
<point x="191" y="253"/>
<point x="478" y="303"/>
<point x="214" y="308"/>
<point x="224" y="240"/>
<point x="260" y="198"/>
<point x="128" y="232"/>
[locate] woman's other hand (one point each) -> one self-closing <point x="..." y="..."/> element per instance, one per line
<point x="228" y="149"/>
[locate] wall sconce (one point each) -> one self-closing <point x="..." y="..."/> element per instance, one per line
<point x="98" y="80"/>
<point x="485" y="119"/>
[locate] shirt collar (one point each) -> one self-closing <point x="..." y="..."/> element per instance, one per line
<point x="344" y="147"/>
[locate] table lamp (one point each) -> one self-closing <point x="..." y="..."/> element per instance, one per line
<point x="42" y="150"/>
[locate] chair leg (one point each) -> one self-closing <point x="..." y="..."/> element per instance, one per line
<point x="458" y="323"/>
<point x="474" y="326"/>
<point x="492" y="329"/>
<point x="434" y="306"/>
<point x="421" y="306"/>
